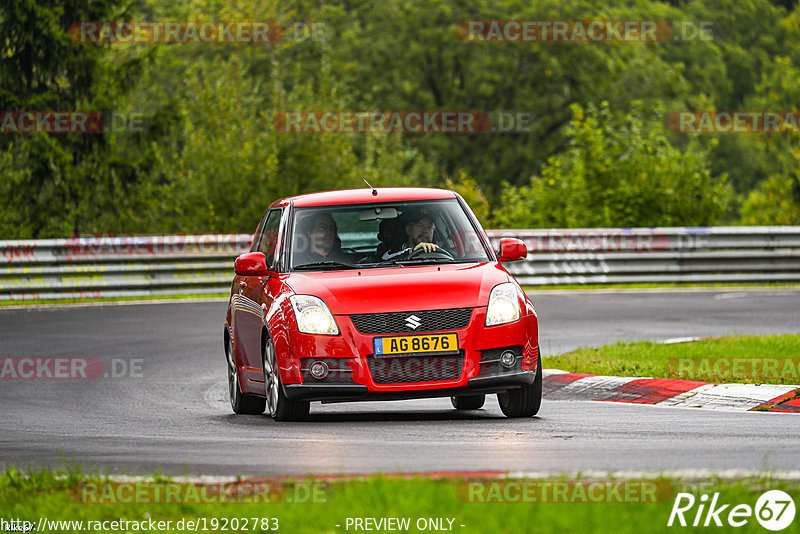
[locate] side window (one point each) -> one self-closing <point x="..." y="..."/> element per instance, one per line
<point x="268" y="241"/>
<point x="257" y="235"/>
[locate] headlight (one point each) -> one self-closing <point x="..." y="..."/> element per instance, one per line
<point x="313" y="316"/>
<point x="503" y="305"/>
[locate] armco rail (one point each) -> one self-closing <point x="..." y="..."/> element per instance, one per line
<point x="118" y="266"/>
<point x="737" y="254"/>
<point x="138" y="266"/>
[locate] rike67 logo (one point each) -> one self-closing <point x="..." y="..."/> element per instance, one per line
<point x="774" y="510"/>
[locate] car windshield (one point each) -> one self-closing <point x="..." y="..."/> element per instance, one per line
<point x="383" y="234"/>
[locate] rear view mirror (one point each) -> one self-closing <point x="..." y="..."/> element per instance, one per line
<point x="376" y="213"/>
<point x="512" y="249"/>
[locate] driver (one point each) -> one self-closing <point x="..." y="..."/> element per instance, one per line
<point x="419" y="229"/>
<point x="420" y="232"/>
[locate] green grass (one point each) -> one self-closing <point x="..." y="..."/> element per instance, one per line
<point x="771" y="359"/>
<point x="108" y="299"/>
<point x="44" y="494"/>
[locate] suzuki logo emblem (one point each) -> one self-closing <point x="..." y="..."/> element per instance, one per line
<point x="413" y="322"/>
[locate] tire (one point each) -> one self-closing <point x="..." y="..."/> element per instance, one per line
<point x="468" y="402"/>
<point x="279" y="407"/>
<point x="241" y="403"/>
<point x="525" y="401"/>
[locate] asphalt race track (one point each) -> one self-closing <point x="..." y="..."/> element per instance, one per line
<point x="173" y="415"/>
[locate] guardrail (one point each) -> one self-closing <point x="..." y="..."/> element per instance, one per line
<point x="119" y="266"/>
<point x="735" y="254"/>
<point x="140" y="266"/>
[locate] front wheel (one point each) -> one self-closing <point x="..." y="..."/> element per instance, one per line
<point x="524" y="401"/>
<point x="468" y="402"/>
<point x="240" y="403"/>
<point x="279" y="406"/>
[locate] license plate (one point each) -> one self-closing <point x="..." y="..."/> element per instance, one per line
<point x="417" y="344"/>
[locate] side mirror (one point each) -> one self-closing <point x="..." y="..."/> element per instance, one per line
<point x="252" y="264"/>
<point x="512" y="249"/>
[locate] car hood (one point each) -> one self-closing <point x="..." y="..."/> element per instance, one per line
<point x="410" y="288"/>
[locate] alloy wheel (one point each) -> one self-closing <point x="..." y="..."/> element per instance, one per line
<point x="233" y="376"/>
<point x="271" y="378"/>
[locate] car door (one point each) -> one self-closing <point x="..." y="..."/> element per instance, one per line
<point x="252" y="300"/>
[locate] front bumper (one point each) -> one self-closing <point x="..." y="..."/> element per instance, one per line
<point x="358" y="392"/>
<point x="350" y="355"/>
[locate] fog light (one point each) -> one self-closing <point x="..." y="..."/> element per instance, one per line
<point x="319" y="370"/>
<point x="508" y="359"/>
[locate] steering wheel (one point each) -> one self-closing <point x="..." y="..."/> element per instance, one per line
<point x="439" y="253"/>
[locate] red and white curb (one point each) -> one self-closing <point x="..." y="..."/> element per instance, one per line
<point x="561" y="385"/>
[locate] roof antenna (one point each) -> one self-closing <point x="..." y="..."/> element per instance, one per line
<point x="374" y="191"/>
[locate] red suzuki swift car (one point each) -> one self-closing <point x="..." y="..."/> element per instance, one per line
<point x="374" y="294"/>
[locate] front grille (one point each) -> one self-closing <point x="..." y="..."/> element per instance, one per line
<point x="411" y="369"/>
<point x="428" y="321"/>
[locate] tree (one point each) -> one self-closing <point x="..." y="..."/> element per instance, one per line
<point x="775" y="201"/>
<point x="617" y="172"/>
<point x="472" y="195"/>
<point x="46" y="178"/>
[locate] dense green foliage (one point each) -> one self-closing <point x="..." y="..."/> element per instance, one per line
<point x="597" y="153"/>
<point x="616" y="173"/>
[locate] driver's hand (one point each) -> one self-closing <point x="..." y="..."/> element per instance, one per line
<point x="427" y="247"/>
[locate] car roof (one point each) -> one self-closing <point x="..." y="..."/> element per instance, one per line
<point x="364" y="195"/>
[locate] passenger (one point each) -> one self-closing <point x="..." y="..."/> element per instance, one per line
<point x="318" y="241"/>
<point x="386" y="231"/>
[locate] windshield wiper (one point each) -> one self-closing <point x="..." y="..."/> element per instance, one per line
<point x="327" y="263"/>
<point x="410" y="261"/>
<point x="385" y="262"/>
<point x="425" y="260"/>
